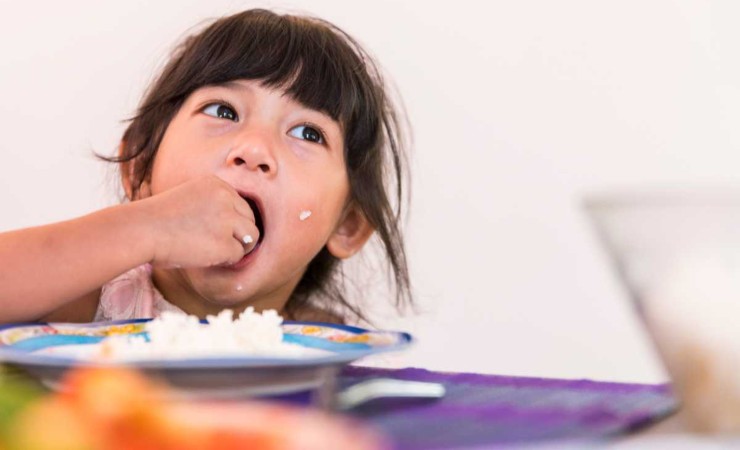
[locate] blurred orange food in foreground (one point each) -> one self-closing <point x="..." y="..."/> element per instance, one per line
<point x="120" y="409"/>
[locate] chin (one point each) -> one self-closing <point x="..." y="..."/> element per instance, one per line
<point x="223" y="297"/>
<point x="229" y="300"/>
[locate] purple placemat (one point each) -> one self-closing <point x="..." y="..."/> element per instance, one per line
<point x="487" y="410"/>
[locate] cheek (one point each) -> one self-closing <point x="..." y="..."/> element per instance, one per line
<point x="324" y="202"/>
<point x="176" y="162"/>
<point x="166" y="173"/>
<point x="312" y="217"/>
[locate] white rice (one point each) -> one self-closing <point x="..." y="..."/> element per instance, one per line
<point x="176" y="336"/>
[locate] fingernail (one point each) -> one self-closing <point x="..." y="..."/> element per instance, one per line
<point x="247" y="239"/>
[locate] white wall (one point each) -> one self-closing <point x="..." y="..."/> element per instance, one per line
<point x="518" y="108"/>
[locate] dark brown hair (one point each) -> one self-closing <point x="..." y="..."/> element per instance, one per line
<point x="320" y="66"/>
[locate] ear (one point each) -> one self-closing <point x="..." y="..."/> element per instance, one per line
<point x="144" y="190"/>
<point x="127" y="177"/>
<point x="351" y="234"/>
<point x="127" y="173"/>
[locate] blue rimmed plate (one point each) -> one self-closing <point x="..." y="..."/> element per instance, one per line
<point x="47" y="350"/>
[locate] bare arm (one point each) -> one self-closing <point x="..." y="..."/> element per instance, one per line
<point x="45" y="268"/>
<point x="56" y="271"/>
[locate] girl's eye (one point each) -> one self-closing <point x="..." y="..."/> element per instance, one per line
<point x="308" y="133"/>
<point x="221" y="111"/>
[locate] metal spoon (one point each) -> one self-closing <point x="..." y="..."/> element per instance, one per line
<point x="384" y="388"/>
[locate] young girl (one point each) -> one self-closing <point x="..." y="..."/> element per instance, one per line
<point x="256" y="162"/>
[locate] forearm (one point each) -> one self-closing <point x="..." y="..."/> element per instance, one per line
<point x="46" y="267"/>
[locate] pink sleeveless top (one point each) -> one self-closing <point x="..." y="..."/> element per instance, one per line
<point x="132" y="295"/>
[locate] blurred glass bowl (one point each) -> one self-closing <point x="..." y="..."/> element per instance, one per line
<point x="678" y="254"/>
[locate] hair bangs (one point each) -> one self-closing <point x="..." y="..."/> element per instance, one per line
<point x="296" y="55"/>
<point x="323" y="79"/>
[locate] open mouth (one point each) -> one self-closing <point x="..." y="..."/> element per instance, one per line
<point x="258" y="221"/>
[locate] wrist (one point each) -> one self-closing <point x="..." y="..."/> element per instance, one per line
<point x="134" y="228"/>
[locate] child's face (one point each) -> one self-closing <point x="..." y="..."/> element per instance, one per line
<point x="286" y="157"/>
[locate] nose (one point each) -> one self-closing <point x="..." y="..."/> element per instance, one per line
<point x="254" y="151"/>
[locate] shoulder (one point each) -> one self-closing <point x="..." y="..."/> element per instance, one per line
<point x="128" y="296"/>
<point x="79" y="310"/>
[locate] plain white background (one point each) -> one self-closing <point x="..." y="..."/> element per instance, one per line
<point x="518" y="109"/>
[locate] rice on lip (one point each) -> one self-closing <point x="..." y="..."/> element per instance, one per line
<point x="176" y="335"/>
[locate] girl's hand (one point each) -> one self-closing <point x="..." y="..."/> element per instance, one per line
<point x="201" y="223"/>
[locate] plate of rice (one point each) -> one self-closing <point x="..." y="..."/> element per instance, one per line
<point x="252" y="354"/>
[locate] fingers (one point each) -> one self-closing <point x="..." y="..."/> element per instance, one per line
<point x="236" y="253"/>
<point x="246" y="232"/>
<point x="242" y="208"/>
<point x="241" y="244"/>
